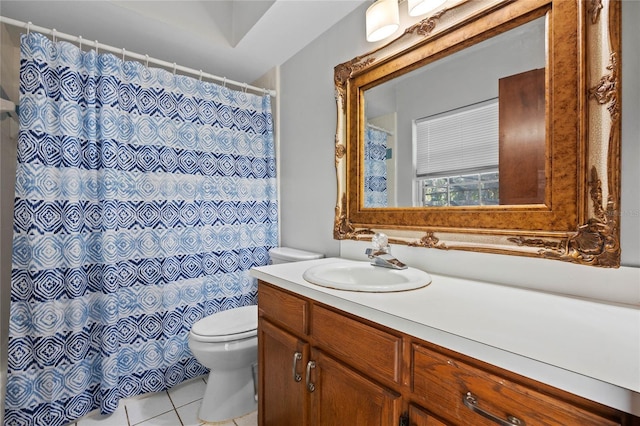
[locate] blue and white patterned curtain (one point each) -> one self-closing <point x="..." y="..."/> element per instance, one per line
<point x="375" y="168"/>
<point x="142" y="200"/>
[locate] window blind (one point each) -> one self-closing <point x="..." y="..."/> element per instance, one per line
<point x="458" y="141"/>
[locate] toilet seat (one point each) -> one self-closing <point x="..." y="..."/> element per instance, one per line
<point x="225" y="326"/>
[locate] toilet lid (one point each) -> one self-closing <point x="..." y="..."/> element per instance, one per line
<point x="232" y="324"/>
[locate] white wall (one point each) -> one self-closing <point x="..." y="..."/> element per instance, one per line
<point x="630" y="208"/>
<point x="307" y="132"/>
<point x="308" y="182"/>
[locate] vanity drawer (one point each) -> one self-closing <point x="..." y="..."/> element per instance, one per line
<point x="373" y="351"/>
<point x="283" y="308"/>
<point x="442" y="382"/>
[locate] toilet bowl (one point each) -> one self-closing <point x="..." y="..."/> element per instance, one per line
<point x="227" y="343"/>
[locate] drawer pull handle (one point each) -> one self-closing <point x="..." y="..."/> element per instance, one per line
<point x="296" y="357"/>
<point x="310" y="386"/>
<point x="471" y="402"/>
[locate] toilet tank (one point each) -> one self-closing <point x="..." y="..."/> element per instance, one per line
<point x="287" y="254"/>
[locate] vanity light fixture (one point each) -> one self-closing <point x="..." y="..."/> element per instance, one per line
<point x="382" y="19"/>
<point x="420" y="7"/>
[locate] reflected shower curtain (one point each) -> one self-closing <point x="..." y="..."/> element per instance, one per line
<point x="375" y="167"/>
<point x="142" y="200"/>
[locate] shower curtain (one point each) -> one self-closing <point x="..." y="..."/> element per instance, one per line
<point x="375" y="168"/>
<point x="142" y="200"/>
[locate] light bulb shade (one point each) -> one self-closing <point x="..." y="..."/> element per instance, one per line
<point x="382" y="19"/>
<point x="420" y="7"/>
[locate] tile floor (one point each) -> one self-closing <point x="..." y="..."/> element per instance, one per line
<point x="176" y="407"/>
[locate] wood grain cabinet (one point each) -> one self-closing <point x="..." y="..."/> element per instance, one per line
<point x="464" y="394"/>
<point x="305" y="359"/>
<point x="321" y="366"/>
<point x="420" y="417"/>
<point x="282" y="399"/>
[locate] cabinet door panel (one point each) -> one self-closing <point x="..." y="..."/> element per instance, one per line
<point x="419" y="417"/>
<point x="344" y="397"/>
<point x="282" y="399"/>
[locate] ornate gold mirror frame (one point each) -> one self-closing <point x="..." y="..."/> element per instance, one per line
<point x="579" y="221"/>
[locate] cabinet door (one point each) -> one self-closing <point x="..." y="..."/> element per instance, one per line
<point x="419" y="417"/>
<point x="281" y="359"/>
<point x="522" y="120"/>
<point x="341" y="396"/>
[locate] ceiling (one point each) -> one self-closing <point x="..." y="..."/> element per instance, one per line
<point x="237" y="39"/>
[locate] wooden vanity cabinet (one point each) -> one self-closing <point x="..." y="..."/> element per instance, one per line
<point x="302" y="382"/>
<point x="321" y="366"/>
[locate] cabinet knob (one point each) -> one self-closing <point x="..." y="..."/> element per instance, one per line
<point x="310" y="385"/>
<point x="471" y="402"/>
<point x="296" y="357"/>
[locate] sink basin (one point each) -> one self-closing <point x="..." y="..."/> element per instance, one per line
<point x="362" y="276"/>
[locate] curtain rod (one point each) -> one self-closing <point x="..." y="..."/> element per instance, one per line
<point x="144" y="58"/>
<point x="373" y="126"/>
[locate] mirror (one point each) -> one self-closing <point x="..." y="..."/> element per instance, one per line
<point x="420" y="153"/>
<point x="488" y="126"/>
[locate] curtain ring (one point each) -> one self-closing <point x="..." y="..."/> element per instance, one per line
<point x="245" y="88"/>
<point x="53" y="35"/>
<point x="96" y="47"/>
<point x="174" y="68"/>
<point x="200" y="75"/>
<point x="29" y="27"/>
<point x="123" y="53"/>
<point x="147" y="56"/>
<point x="80" y="42"/>
<point x="224" y="82"/>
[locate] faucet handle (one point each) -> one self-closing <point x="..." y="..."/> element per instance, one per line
<point x="380" y="241"/>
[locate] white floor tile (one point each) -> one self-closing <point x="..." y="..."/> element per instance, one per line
<point x="250" y="419"/>
<point x="187" y="392"/>
<point x="166" y="419"/>
<point x="157" y="409"/>
<point x="117" y="418"/>
<point x="189" y="414"/>
<point x="147" y="406"/>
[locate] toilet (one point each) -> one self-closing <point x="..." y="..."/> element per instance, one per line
<point x="287" y="254"/>
<point x="227" y="343"/>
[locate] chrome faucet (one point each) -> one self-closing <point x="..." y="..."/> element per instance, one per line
<point x="380" y="254"/>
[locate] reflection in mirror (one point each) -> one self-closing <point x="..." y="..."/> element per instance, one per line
<point x="465" y="130"/>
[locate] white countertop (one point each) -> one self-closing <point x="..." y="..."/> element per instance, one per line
<point x="587" y="348"/>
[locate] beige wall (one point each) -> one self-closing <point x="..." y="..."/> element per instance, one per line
<point x="9" y="72"/>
